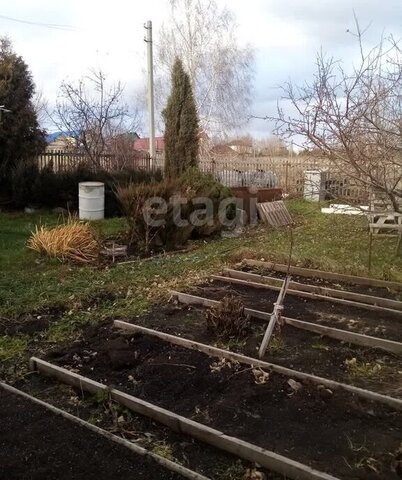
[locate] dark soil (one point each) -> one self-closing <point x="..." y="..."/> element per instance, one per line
<point x="146" y="433"/>
<point x="26" y="324"/>
<point x="37" y="444"/>
<point x="30" y="323"/>
<point x="335" y="315"/>
<point x="334" y="432"/>
<point x="322" y="282"/>
<point x="292" y="347"/>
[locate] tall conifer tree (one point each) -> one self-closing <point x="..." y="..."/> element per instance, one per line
<point x="181" y="125"/>
<point x="21" y="139"/>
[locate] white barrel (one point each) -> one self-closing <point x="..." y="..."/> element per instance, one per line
<point x="91" y="200"/>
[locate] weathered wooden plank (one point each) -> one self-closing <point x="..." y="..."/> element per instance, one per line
<point x="346" y="336"/>
<point x="267" y="459"/>
<point x="386" y="226"/>
<point x="168" y="464"/>
<point x="328" y="292"/>
<point x="288" y="372"/>
<point x="340" y="277"/>
<point x="274" y="213"/>
<point x="261" y="213"/>
<point x="303" y="294"/>
<point x="336" y="333"/>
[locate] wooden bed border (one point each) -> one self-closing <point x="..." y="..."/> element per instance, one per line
<point x="331" y="332"/>
<point x="164" y="462"/>
<point x="267" y="459"/>
<point x="308" y="272"/>
<point x="329" y="293"/>
<point x="392" y="402"/>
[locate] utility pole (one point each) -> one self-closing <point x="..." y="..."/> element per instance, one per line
<point x="151" y="114"/>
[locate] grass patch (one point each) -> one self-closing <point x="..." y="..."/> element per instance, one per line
<point x="12" y="346"/>
<point x="358" y="368"/>
<point x="236" y="471"/>
<point x="66" y="327"/>
<point x="163" y="449"/>
<point x="276" y="345"/>
<point x="233" y="344"/>
<point x="320" y="346"/>
<point x="85" y="294"/>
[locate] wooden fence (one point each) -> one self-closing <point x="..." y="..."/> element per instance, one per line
<point x="64" y="161"/>
<point x="287" y="173"/>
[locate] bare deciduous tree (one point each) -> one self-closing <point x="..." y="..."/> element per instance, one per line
<point x="354" y="117"/>
<point x="40" y="104"/>
<point x="92" y="112"/>
<point x="203" y="36"/>
<point x="272" y="146"/>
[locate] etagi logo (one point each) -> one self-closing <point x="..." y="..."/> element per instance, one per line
<point x="200" y="211"/>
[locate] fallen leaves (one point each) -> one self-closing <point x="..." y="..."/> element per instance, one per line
<point x="254" y="474"/>
<point x="260" y="376"/>
<point x="295" y="386"/>
<point x="324" y="391"/>
<point x="224" y="363"/>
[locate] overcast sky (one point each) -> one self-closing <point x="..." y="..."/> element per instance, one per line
<point x="109" y="34"/>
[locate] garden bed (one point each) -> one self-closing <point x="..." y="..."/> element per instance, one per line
<point x="140" y="430"/>
<point x="322" y="282"/>
<point x="292" y="348"/>
<point x="37" y="444"/>
<point x="331" y="431"/>
<point x="325" y="312"/>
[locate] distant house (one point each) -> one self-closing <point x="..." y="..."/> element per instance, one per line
<point x="222" y="152"/>
<point x="142" y="144"/>
<point x="129" y="137"/>
<point x="241" y="146"/>
<point x="61" y="141"/>
<point x="122" y="144"/>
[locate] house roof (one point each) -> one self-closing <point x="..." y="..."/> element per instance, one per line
<point x="51" y="137"/>
<point x="143" y="143"/>
<point x="128" y="135"/>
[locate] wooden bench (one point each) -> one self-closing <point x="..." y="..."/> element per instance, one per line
<point x="385" y="221"/>
<point x="389" y="223"/>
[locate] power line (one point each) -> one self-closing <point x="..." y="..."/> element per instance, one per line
<point x="67" y="28"/>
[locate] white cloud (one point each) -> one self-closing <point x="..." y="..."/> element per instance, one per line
<point x="285" y="33"/>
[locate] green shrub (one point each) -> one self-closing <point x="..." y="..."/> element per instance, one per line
<point x="134" y="200"/>
<point x="189" y="187"/>
<point x="205" y="185"/>
<point x="45" y="188"/>
<point x="23" y="178"/>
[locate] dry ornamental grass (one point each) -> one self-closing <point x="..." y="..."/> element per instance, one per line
<point x="74" y="241"/>
<point x="228" y="319"/>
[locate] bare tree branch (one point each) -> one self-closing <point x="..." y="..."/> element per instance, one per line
<point x="354" y="116"/>
<point x="92" y="112"/>
<point x="203" y="36"/>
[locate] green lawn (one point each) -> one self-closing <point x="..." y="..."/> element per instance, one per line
<point x="82" y="294"/>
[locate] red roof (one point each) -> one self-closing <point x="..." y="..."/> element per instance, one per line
<point x="143" y="144"/>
